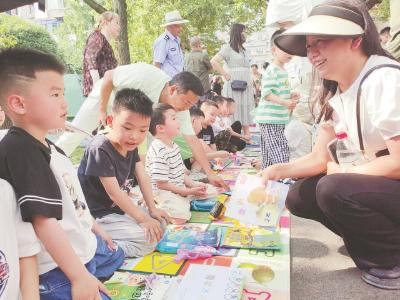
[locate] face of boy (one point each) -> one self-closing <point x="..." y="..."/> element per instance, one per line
<point x="281" y="56"/>
<point x="44" y="105"/>
<point x="197" y="124"/>
<point x="129" y="129"/>
<point x="210" y="114"/>
<point x="172" y="125"/>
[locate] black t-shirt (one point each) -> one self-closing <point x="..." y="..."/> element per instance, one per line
<point x="101" y="159"/>
<point x="207" y="135"/>
<point x="25" y="164"/>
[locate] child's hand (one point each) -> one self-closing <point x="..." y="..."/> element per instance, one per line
<point x="87" y="287"/>
<point x="223" y="154"/>
<point x="160" y="215"/>
<point x="152" y="230"/>
<point x="295" y="96"/>
<point x="199" y="191"/>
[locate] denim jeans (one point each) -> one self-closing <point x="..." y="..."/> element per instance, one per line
<point x="54" y="285"/>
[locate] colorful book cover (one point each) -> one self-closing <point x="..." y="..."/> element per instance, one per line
<point x="172" y="239"/>
<point x="254" y="204"/>
<point x="210" y="282"/>
<point x="249" y="238"/>
<point x="223" y="261"/>
<point x="130" y="286"/>
<point x="200" y="217"/>
<point x="159" y="263"/>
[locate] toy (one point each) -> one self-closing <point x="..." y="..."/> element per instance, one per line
<point x="194" y="252"/>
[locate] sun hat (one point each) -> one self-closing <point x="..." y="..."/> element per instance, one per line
<point x="173" y="17"/>
<point x="324" y="20"/>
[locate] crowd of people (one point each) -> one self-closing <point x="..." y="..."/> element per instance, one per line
<point x="71" y="229"/>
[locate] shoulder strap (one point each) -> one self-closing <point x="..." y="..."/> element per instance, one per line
<point x="360" y="139"/>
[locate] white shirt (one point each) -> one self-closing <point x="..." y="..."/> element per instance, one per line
<point x="17" y="239"/>
<point x="164" y="163"/>
<point x="147" y="78"/>
<point x="221" y="123"/>
<point x="380" y="106"/>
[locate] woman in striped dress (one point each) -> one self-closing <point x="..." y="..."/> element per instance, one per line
<point x="237" y="67"/>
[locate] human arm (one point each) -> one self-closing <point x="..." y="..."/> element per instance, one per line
<point x="29" y="278"/>
<point x="159" y="52"/>
<point x="183" y="191"/>
<point x="157" y="64"/>
<point x="202" y="160"/>
<point x="216" y="63"/>
<point x="93" y="48"/>
<point x="105" y="92"/>
<point x="387" y="166"/>
<point x="84" y="285"/>
<point x="311" y="164"/>
<point x="207" y="62"/>
<point x="98" y="230"/>
<point x="290" y="104"/>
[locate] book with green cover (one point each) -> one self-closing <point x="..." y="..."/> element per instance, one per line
<point x="250" y="238"/>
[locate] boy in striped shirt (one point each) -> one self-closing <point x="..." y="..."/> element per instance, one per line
<point x="274" y="109"/>
<point x="164" y="164"/>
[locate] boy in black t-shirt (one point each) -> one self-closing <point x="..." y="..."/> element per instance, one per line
<point x="72" y="257"/>
<point x="206" y="134"/>
<point x="108" y="168"/>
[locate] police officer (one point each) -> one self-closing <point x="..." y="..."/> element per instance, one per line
<point x="167" y="51"/>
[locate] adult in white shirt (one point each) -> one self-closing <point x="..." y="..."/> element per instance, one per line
<point x="359" y="203"/>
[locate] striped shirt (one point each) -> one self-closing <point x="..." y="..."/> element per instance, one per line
<point x="164" y="163"/>
<point x="275" y="80"/>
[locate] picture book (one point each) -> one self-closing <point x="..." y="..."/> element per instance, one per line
<point x="130" y="286"/>
<point x="210" y="282"/>
<point x="254" y="204"/>
<point x="249" y="238"/>
<point x="172" y="239"/>
<point x="160" y="263"/>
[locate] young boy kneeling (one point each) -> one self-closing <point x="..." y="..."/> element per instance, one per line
<point x="75" y="253"/>
<point x="166" y="169"/>
<point x="109" y="167"/>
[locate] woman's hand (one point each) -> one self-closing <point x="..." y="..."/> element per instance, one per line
<point x="227" y="76"/>
<point x="333" y="168"/>
<point x="269" y="173"/>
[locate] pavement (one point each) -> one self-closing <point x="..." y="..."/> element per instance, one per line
<point x="322" y="269"/>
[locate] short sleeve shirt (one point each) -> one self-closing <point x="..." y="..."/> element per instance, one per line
<point x="45" y="184"/>
<point x="199" y="64"/>
<point x="101" y="159"/>
<point x="207" y="135"/>
<point x="167" y="51"/>
<point x="147" y="78"/>
<point x="17" y="239"/>
<point x="379" y="109"/>
<point x="164" y="163"/>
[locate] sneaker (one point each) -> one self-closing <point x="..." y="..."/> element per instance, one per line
<point x="388" y="279"/>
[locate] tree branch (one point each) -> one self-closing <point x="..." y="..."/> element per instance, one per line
<point x="95" y="6"/>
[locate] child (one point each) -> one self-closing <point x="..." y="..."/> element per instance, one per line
<point x="72" y="258"/>
<point x="108" y="168"/>
<point x="227" y="136"/>
<point x="274" y="109"/>
<point x="206" y="134"/>
<point x="165" y="166"/>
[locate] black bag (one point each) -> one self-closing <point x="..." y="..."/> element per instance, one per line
<point x="239" y="85"/>
<point x="360" y="139"/>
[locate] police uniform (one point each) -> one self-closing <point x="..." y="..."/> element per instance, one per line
<point x="167" y="51"/>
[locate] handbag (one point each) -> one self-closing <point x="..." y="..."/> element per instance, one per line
<point x="239" y="85"/>
<point x="360" y="139"/>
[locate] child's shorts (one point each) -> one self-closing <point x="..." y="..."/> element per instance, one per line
<point x="177" y="206"/>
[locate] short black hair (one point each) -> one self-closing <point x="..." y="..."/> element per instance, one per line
<point x="187" y="81"/>
<point x="196" y="112"/>
<point x="275" y="34"/>
<point x="385" y="30"/>
<point x="265" y="65"/>
<point x="19" y="65"/>
<point x="133" y="100"/>
<point x="254" y="65"/>
<point x="219" y="99"/>
<point x="158" y="116"/>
